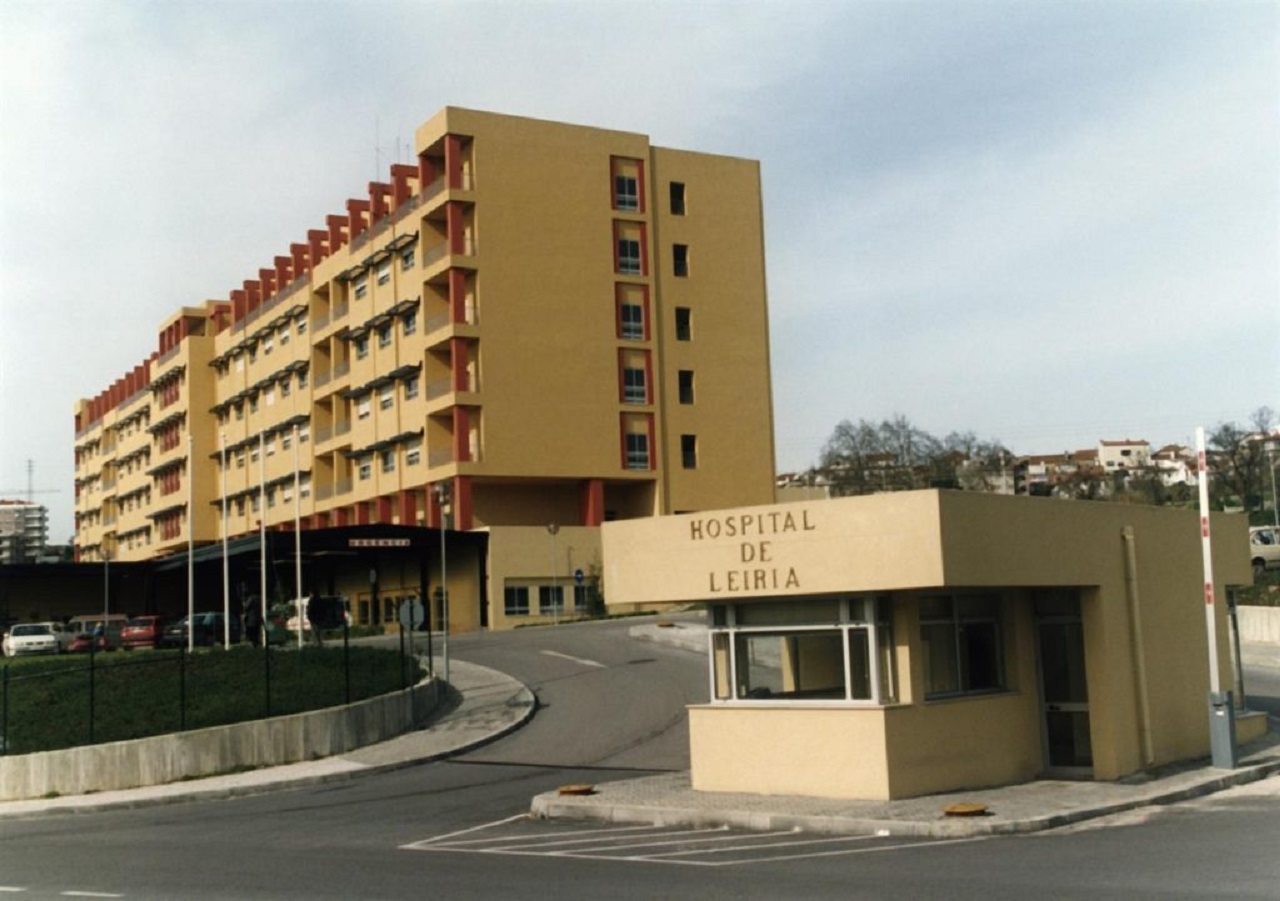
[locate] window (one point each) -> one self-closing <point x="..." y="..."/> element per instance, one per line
<point x="637" y="450"/>
<point x="680" y="259"/>
<point x="253" y="353"/>
<point x="304" y="486"/>
<point x="384" y="335"/>
<point x="304" y="432"/>
<point x="253" y="454"/>
<point x="239" y="363"/>
<point x="240" y="459"/>
<point x="285" y="388"/>
<point x="286" y="491"/>
<point x="684" y="324"/>
<point x="270" y="396"/>
<point x="286" y="441"/>
<point x="383" y="272"/>
<point x="302" y="326"/>
<point x="411" y="388"/>
<point x="388" y="458"/>
<point x="284" y="335"/>
<point x="631" y="321"/>
<point x="362" y="347"/>
<point x="550" y="598"/>
<point x="268" y="345"/>
<point x="803" y="650"/>
<point x="626" y="193"/>
<point x="677" y="198"/>
<point x="362" y="287"/>
<point x="270" y="445"/>
<point x="255" y="503"/>
<point x="413" y="452"/>
<point x="271" y="498"/>
<point x="515" y="600"/>
<point x="407" y="257"/>
<point x="362" y="406"/>
<point x="364" y="469"/>
<point x="686" y="386"/>
<point x="962" y="644"/>
<point x="634" y="387"/>
<point x="689" y="451"/>
<point x="302" y="378"/>
<point x="386" y="397"/>
<point x="410" y="323"/>
<point x="629" y="256"/>
<point x="253" y="404"/>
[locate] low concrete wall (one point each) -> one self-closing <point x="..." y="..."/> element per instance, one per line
<point x="220" y="749"/>
<point x="1259" y="624"/>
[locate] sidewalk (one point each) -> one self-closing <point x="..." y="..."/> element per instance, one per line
<point x="668" y="799"/>
<point x="480" y="706"/>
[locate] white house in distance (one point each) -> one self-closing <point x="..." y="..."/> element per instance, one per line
<point x="1114" y="456"/>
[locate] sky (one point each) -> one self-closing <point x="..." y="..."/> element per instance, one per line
<point x="1046" y="223"/>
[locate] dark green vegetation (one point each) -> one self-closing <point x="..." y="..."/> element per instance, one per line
<point x="60" y="702"/>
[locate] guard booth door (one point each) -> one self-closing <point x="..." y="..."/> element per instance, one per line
<point x="1064" y="691"/>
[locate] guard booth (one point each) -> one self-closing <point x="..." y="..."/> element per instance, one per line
<point x="905" y="644"/>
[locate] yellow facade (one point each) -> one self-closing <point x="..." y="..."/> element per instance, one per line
<point x="532" y="324"/>
<point x="955" y="616"/>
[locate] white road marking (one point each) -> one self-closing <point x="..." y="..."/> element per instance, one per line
<point x="14" y="889"/>
<point x="448" y="835"/>
<point x="667" y="845"/>
<point x="89" y="895"/>
<point x="581" y="660"/>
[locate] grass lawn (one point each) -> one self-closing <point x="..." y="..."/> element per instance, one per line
<point x="46" y="701"/>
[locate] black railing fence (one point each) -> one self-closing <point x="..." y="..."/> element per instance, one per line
<point x="67" y="702"/>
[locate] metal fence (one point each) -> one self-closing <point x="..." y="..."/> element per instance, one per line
<point x="118" y="696"/>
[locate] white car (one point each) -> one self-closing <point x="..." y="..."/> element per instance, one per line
<point x="35" y="638"/>
<point x="1264" y="548"/>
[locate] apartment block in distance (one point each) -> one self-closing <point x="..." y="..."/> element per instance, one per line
<point x="532" y="328"/>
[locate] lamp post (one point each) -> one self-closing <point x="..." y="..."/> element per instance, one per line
<point x="297" y="538"/>
<point x="226" y="571"/>
<point x="553" y="528"/>
<point x="262" y="535"/>
<point x="441" y="497"/>
<point x="191" y="543"/>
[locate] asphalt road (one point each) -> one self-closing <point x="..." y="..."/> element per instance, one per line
<point x="612" y="706"/>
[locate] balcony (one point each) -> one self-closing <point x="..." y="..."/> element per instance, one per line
<point x="438" y="252"/>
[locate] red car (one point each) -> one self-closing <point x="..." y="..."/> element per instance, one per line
<point x="142" y="632"/>
<point x="82" y="643"/>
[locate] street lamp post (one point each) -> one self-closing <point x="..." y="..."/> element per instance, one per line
<point x="553" y="528"/>
<point x="444" y="590"/>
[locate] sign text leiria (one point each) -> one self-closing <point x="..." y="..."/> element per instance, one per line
<point x="759" y="571"/>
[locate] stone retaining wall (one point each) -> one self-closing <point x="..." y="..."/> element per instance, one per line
<point x="1259" y="624"/>
<point x="220" y="749"/>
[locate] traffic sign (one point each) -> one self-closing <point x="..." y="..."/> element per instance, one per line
<point x="412" y="613"/>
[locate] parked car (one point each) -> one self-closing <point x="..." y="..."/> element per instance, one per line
<point x="35" y="638"/>
<point x="208" y="630"/>
<point x="1264" y="549"/>
<point x="83" y="643"/>
<point x="142" y="632"/>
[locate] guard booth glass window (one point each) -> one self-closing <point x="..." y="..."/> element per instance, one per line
<point x="814" y="650"/>
<point x="962" y="641"/>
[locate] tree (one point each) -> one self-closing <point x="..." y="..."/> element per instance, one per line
<point x="1238" y="459"/>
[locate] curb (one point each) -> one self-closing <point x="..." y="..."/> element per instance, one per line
<point x="553" y="806"/>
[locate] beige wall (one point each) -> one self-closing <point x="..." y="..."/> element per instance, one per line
<point x="522" y="554"/>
